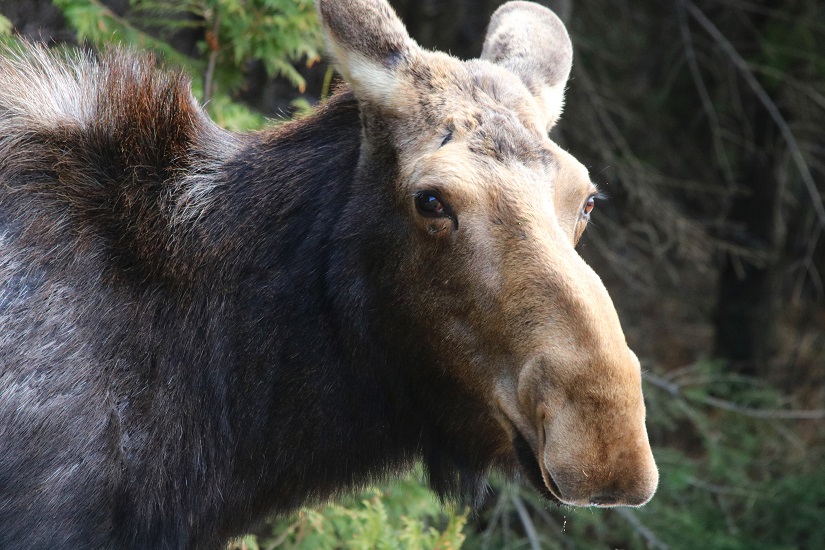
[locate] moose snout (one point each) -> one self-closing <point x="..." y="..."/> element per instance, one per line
<point x="586" y="433"/>
<point x="599" y="467"/>
<point x="620" y="481"/>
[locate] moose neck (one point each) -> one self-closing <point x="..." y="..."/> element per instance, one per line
<point x="318" y="348"/>
<point x="319" y="414"/>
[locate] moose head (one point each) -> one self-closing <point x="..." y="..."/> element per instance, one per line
<point x="481" y="222"/>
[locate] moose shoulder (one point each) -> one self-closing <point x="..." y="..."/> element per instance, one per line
<point x="199" y="328"/>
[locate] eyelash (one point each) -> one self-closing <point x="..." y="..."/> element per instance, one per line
<point x="588" y="207"/>
<point x="597" y="196"/>
<point x="584" y="217"/>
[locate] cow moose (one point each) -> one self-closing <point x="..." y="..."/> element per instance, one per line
<point x="200" y="328"/>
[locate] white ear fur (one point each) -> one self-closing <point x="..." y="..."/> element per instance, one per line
<point x="369" y="80"/>
<point x="551" y="102"/>
<point x="370" y="46"/>
<point x="532" y="42"/>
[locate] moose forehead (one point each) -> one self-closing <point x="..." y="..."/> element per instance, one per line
<point x="462" y="96"/>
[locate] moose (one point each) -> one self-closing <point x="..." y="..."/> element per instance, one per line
<point x="201" y="328"/>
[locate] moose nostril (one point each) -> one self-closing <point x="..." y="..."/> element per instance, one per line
<point x="604" y="499"/>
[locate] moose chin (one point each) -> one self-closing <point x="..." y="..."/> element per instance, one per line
<point x="199" y="328"/>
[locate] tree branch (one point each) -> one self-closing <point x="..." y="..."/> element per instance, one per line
<point x="649" y="536"/>
<point x="767" y="102"/>
<point x="524" y="516"/>
<point x="704" y="96"/>
<point x="781" y="414"/>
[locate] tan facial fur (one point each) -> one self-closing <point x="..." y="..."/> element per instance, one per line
<point x="516" y="314"/>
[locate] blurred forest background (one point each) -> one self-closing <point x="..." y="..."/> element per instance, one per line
<point x="704" y="121"/>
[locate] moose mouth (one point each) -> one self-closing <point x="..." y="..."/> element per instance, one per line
<point x="536" y="474"/>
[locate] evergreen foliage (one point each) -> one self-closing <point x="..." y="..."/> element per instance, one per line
<point x="232" y="34"/>
<point x="403" y="515"/>
<point x="5" y="26"/>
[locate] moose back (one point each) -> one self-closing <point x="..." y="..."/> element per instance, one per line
<point x="199" y="328"/>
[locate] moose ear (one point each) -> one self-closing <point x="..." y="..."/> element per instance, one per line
<point x="369" y="44"/>
<point x="531" y="41"/>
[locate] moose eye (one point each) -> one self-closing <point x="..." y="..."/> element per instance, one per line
<point x="589" y="205"/>
<point x="429" y="204"/>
